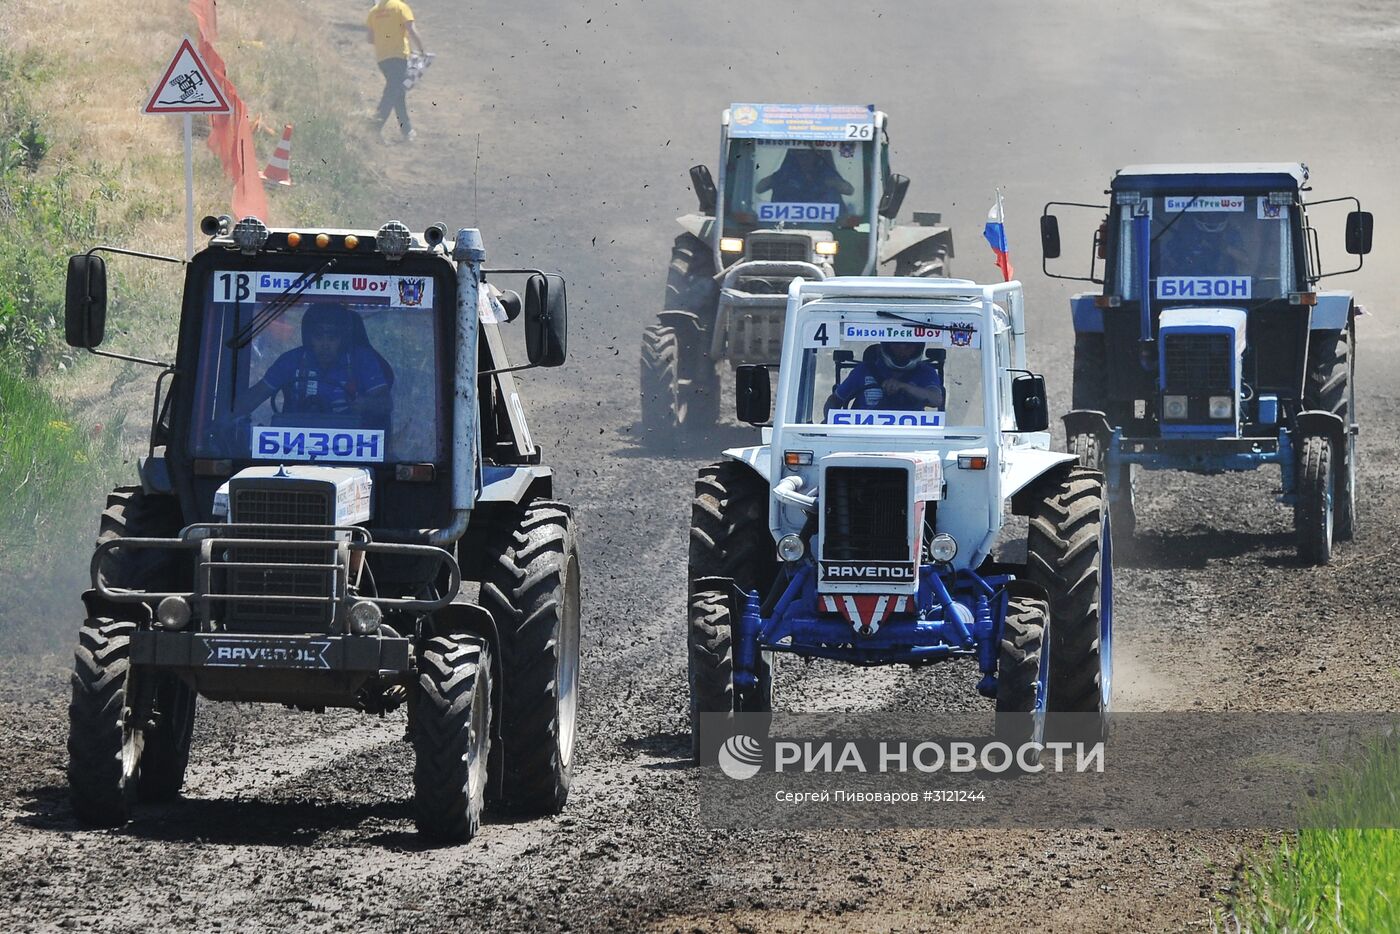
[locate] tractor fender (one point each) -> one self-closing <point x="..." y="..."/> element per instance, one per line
<point x="461" y="615"/>
<point x="758" y="457"/>
<point x="697" y="225"/>
<point x="1087" y="422"/>
<point x="1321" y="422"/>
<point x="1333" y="311"/>
<point x="1021" y="469"/>
<point x="916" y="244"/>
<point x="516" y="484"/>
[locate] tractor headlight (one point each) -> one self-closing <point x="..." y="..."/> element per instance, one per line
<point x="173" y="613"/>
<point x="827" y="247"/>
<point x="1174" y="407"/>
<point x="731" y="244"/>
<point x="1221" y="407"/>
<point x="790" y="547"/>
<point x="943" y="548"/>
<point x="365" y="617"/>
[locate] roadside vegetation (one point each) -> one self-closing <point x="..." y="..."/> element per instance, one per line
<point x="79" y="165"/>
<point x="1341" y="876"/>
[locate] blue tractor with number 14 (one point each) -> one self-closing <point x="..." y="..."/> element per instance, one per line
<point x="1210" y="347"/>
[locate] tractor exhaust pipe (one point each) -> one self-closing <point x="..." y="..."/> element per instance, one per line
<point x="470" y="254"/>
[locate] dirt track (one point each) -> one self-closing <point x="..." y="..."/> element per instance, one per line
<point x="298" y="823"/>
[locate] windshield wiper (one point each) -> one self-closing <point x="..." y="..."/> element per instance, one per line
<point x="1179" y="215"/>
<point x="274" y="308"/>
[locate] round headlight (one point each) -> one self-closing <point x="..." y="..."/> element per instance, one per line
<point x="943" y="548"/>
<point x="365" y="618"/>
<point x="790" y="547"/>
<point x="173" y="613"/>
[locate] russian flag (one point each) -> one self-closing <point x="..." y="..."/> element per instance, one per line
<point x="995" y="232"/>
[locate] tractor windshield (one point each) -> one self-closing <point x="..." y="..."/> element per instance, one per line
<point x="1209" y="247"/>
<point x="803" y="184"/>
<point x="891" y="372"/>
<point x="347" y="372"/>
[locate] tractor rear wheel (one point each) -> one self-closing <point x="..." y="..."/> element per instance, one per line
<point x="690" y="279"/>
<point x="729" y="534"/>
<point x="451" y="725"/>
<point x="1330" y="388"/>
<point x="1069" y="553"/>
<point x="1314" y="505"/>
<point x="531" y="589"/>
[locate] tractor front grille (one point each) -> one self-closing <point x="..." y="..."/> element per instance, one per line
<point x="1197" y="364"/>
<point x="865" y="514"/>
<point x="307" y="571"/>
<point x="781" y="248"/>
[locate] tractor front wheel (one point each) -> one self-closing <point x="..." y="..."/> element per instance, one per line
<point x="1313" y="507"/>
<point x="450" y="721"/>
<point x="710" y="666"/>
<point x="1069" y="553"/>
<point x="1121" y="487"/>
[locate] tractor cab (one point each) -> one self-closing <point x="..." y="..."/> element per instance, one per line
<point x="804" y="190"/>
<point x="1210" y="346"/>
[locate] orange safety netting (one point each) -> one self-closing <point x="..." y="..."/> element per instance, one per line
<point x="230" y="135"/>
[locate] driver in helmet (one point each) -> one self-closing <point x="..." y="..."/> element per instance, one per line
<point x="1211" y="246"/>
<point x="806" y="176"/>
<point x="892" y="375"/>
<point x="335" y="371"/>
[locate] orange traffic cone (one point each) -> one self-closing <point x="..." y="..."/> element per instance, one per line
<point x="278" y="171"/>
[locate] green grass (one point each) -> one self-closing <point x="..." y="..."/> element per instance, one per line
<point x="1342" y="872"/>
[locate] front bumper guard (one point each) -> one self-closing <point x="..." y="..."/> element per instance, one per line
<point x="215" y="546"/>
<point x="762" y="313"/>
<point x="203" y="650"/>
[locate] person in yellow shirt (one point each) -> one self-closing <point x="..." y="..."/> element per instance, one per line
<point x="393" y="35"/>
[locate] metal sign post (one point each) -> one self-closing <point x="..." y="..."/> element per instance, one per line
<point x="187" y="88"/>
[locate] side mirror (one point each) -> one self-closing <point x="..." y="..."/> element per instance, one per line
<point x="1029" y="403"/>
<point x="753" y="394"/>
<point x="546" y="320"/>
<point x="1050" y="236"/>
<point x="895" y="190"/>
<point x="1359" y="225"/>
<point x="705" y="191"/>
<point x="85" y="305"/>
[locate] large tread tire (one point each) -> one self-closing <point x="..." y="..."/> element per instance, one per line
<point x="663" y="407"/>
<point x="710" y="665"/>
<point x="1331" y="373"/>
<point x="1065" y="546"/>
<point x="1020" y="668"/>
<point x="1090" y="387"/>
<point x="101" y="790"/>
<point x="1313" y="509"/>
<point x="166" y="755"/>
<point x="531" y="589"/>
<point x="729" y="534"/>
<point x="451" y="727"/>
<point x="690" y="284"/>
<point x="1018" y="663"/>
<point x="1089" y="448"/>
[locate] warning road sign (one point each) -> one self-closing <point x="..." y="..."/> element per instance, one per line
<point x="187" y="87"/>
